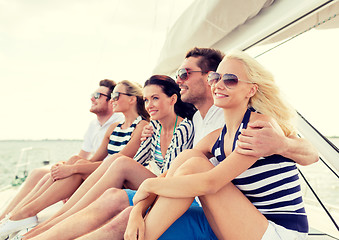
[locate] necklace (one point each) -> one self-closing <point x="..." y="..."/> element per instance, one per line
<point x="175" y="125"/>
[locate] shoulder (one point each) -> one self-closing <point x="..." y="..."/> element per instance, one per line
<point x="186" y="122"/>
<point x="112" y="127"/>
<point x="186" y="125"/>
<point x="261" y="117"/>
<point x="212" y="136"/>
<point x="141" y="124"/>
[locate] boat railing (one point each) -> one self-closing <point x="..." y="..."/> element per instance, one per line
<point x="25" y="161"/>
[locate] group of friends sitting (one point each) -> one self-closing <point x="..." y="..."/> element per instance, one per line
<point x="211" y="155"/>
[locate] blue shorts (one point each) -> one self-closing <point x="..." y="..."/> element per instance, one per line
<point x="191" y="225"/>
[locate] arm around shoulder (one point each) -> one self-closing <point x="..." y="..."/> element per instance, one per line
<point x="264" y="137"/>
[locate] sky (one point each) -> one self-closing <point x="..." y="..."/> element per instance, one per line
<point x="54" y="53"/>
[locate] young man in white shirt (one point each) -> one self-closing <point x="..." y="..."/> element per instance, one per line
<point x="102" y="108"/>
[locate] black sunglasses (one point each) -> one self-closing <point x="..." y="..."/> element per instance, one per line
<point x="115" y="95"/>
<point x="230" y="80"/>
<point x="97" y="95"/>
<point x="183" y="73"/>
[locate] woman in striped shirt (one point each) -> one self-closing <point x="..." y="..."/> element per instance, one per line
<point x="173" y="132"/>
<point x="242" y="197"/>
<point x="65" y="178"/>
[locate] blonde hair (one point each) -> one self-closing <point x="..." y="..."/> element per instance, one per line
<point x="267" y="100"/>
<point x="135" y="89"/>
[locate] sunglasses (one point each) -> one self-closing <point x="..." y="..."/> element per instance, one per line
<point x="183" y="73"/>
<point x="97" y="95"/>
<point x="230" y="80"/>
<point x="115" y="95"/>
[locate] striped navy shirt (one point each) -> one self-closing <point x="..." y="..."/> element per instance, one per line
<point x="182" y="139"/>
<point x="120" y="137"/>
<point x="271" y="184"/>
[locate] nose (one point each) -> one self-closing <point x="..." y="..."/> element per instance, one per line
<point x="148" y="105"/>
<point x="178" y="80"/>
<point x="219" y="84"/>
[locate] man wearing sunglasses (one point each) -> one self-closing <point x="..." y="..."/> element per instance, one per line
<point x="102" y="108"/>
<point x="194" y="77"/>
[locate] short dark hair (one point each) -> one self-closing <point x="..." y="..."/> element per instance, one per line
<point x="110" y="84"/>
<point x="209" y="58"/>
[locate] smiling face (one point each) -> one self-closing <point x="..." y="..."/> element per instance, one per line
<point x="157" y="103"/>
<point x="123" y="103"/>
<point x="195" y="88"/>
<point x="240" y="94"/>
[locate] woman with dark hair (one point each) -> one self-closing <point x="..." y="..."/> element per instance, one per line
<point x="173" y="133"/>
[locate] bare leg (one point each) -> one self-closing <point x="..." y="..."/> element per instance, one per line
<point x="155" y="222"/>
<point x="88" y="219"/>
<point x="58" y="191"/>
<point x="123" y="172"/>
<point x="46" y="182"/>
<point x="77" y="195"/>
<point x="31" y="185"/>
<point x="114" y="229"/>
<point x="227" y="211"/>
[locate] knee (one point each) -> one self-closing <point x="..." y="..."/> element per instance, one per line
<point x="114" y="197"/>
<point x="81" y="161"/>
<point x="121" y="164"/>
<point x="184" y="156"/>
<point x="38" y="173"/>
<point x="189" y="167"/>
<point x="113" y="157"/>
<point x="73" y="159"/>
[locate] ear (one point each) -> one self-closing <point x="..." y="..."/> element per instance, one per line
<point x="174" y="99"/>
<point x="252" y="90"/>
<point x="133" y="99"/>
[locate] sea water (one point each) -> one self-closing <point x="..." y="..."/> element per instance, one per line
<point x="52" y="150"/>
<point x="321" y="179"/>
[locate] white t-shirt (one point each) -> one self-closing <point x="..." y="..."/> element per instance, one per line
<point x="213" y="120"/>
<point x="95" y="132"/>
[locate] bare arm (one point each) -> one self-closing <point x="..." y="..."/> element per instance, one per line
<point x="65" y="170"/>
<point x="263" y="138"/>
<point x="199" y="184"/>
<point x="129" y="150"/>
<point x="133" y="145"/>
<point x="101" y="153"/>
<point x="136" y="224"/>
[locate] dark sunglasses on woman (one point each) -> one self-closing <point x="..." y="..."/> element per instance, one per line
<point x="230" y="80"/>
<point x="115" y="95"/>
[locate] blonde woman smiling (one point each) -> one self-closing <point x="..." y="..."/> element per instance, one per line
<point x="243" y="197"/>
